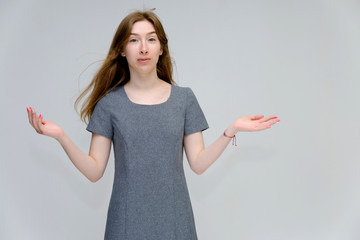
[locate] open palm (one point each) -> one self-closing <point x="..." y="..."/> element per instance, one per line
<point x="255" y="123"/>
<point x="43" y="126"/>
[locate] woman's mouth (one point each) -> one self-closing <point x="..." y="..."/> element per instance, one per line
<point x="143" y="60"/>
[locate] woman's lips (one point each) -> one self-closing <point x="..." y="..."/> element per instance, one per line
<point x="144" y="60"/>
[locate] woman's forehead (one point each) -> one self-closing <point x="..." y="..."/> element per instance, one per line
<point x="143" y="27"/>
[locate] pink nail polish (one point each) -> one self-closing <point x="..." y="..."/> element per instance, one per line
<point x="27" y="109"/>
<point x="40" y="116"/>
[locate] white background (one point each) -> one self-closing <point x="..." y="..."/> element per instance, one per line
<point x="297" y="59"/>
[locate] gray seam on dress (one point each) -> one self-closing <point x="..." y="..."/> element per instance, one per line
<point x="125" y="170"/>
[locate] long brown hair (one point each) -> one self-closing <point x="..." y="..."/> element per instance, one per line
<point x="115" y="70"/>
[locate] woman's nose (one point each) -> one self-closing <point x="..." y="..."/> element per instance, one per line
<point x="143" y="48"/>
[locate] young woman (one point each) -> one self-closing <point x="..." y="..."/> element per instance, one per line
<point x="134" y="105"/>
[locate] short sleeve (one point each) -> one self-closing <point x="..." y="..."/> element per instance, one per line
<point x="195" y="120"/>
<point x="100" y="121"/>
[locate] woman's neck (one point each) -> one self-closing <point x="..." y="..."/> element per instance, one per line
<point x="147" y="90"/>
<point x="144" y="81"/>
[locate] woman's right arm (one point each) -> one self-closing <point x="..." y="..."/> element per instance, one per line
<point x="92" y="165"/>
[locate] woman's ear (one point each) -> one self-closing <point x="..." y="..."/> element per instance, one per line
<point x="122" y="54"/>
<point x="161" y="51"/>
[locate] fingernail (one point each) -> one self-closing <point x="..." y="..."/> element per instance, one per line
<point x="40" y="116"/>
<point x="27" y="109"/>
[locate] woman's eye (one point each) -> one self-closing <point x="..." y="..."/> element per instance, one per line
<point x="133" y="40"/>
<point x="152" y="39"/>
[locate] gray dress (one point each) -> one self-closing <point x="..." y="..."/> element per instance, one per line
<point x="150" y="199"/>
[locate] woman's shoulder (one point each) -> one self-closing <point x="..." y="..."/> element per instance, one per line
<point x="112" y="97"/>
<point x="115" y="93"/>
<point x="182" y="90"/>
<point x="186" y="92"/>
<point x="183" y="95"/>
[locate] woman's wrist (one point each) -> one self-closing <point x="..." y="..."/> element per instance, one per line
<point x="61" y="137"/>
<point x="231" y="131"/>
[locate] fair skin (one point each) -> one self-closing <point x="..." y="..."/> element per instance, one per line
<point x="142" y="53"/>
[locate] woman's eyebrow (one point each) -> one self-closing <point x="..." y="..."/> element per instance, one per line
<point x="136" y="34"/>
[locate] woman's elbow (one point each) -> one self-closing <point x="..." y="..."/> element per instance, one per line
<point x="199" y="171"/>
<point x="94" y="179"/>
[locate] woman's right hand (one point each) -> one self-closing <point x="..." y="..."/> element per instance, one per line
<point x="43" y="126"/>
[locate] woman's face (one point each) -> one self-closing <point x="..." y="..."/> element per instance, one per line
<point x="143" y="48"/>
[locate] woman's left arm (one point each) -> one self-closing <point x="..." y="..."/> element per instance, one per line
<point x="200" y="158"/>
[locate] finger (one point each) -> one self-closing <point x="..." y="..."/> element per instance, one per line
<point x="31" y="116"/>
<point x="268" y="124"/>
<point x="34" y="119"/>
<point x="42" y="120"/>
<point x="266" y="119"/>
<point x="273" y="121"/>
<point x="257" y="117"/>
<point x="39" y="124"/>
<point x="28" y="109"/>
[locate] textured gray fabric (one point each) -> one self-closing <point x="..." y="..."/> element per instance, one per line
<point x="150" y="199"/>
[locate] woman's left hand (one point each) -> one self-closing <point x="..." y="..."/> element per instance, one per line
<point x="254" y="123"/>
